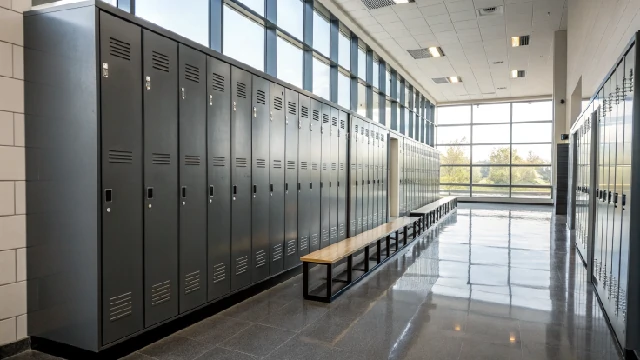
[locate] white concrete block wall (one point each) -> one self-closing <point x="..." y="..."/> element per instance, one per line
<point x="13" y="285"/>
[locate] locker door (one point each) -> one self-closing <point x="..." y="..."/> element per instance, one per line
<point x="315" y="203"/>
<point x="160" y="68"/>
<point x="260" y="178"/>
<point x="219" y="174"/>
<point x="122" y="214"/>
<point x="379" y="181"/>
<point x="597" y="247"/>
<point x="353" y="176"/>
<point x="241" y="189"/>
<point x="366" y="181"/>
<point x="276" y="174"/>
<point x="360" y="174"/>
<point x="291" y="187"/>
<point x="325" y="177"/>
<point x="304" y="177"/>
<point x="616" y="160"/>
<point x="401" y="184"/>
<point x="373" y="170"/>
<point x="193" y="178"/>
<point x="343" y="166"/>
<point x="609" y="182"/>
<point x="384" y="181"/>
<point x="333" y="180"/>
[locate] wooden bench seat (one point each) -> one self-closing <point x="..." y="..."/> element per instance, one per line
<point x="433" y="212"/>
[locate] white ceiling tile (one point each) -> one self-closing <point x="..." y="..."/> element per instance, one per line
<point x="387" y="18"/>
<point x="367" y="20"/>
<point x="433" y="10"/>
<point x="409" y="14"/>
<point x="415" y="23"/>
<point x="408" y="44"/>
<point x="492" y="32"/>
<point x="382" y="35"/>
<point x="463" y="25"/>
<point x="426" y="44"/>
<point x="394" y="26"/>
<point x="481" y="4"/>
<point x="359" y="13"/>
<point x="374" y="28"/>
<point x="491" y="21"/>
<point x="398" y="32"/>
<point x="519" y="8"/>
<point x="439" y="19"/>
<point x="447" y="26"/>
<point x="425" y="37"/>
<point x="420" y="30"/>
<point x="428" y="2"/>
<point x="462" y="16"/>
<point x="463" y="5"/>
<point x="382" y="11"/>
<point x="452" y="47"/>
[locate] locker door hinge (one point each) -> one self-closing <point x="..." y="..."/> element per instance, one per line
<point x="286" y="120"/>
<point x="105" y="70"/>
<point x="147" y="82"/>
<point x="299" y="124"/>
<point x="234" y="106"/>
<point x="255" y="112"/>
<point x="270" y="115"/>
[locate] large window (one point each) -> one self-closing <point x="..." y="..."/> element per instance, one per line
<point x="362" y="100"/>
<point x="189" y="19"/>
<point x="376" y="73"/>
<point x="243" y="38"/>
<point x="344" y="49"/>
<point x="321" y="78"/>
<point x="255" y="5"/>
<point x="376" y="107"/>
<point x="344" y="90"/>
<point x="321" y="30"/>
<point x="362" y="62"/>
<point x="290" y="17"/>
<point x="496" y="150"/>
<point x="289" y="62"/>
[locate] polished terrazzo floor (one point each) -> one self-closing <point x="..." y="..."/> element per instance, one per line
<point x="491" y="282"/>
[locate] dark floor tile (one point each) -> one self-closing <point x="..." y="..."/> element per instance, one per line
<point x="218" y="353"/>
<point x="327" y="329"/>
<point x="33" y="355"/>
<point x="543" y="352"/>
<point x="478" y="350"/>
<point x="214" y="330"/>
<point x="176" y="348"/>
<point x="256" y="308"/>
<point x="491" y="329"/>
<point x="298" y="348"/>
<point x="428" y="345"/>
<point x="258" y="340"/>
<point x="295" y="315"/>
<point x="136" y="356"/>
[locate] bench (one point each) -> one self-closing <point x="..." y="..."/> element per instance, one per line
<point x="332" y="286"/>
<point x="433" y="212"/>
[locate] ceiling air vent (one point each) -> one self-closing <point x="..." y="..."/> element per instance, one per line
<point x="377" y="4"/>
<point x="519" y="41"/>
<point x="426" y="53"/>
<point x="518" y="73"/>
<point x="440" y="80"/>
<point x="447" y="80"/>
<point x="490" y="11"/>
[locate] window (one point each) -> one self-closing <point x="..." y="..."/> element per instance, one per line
<point x="321" y="78"/>
<point x="289" y="62"/>
<point x="376" y="107"/>
<point x="454" y="155"/>
<point x="255" y="5"/>
<point x="388" y="79"/>
<point x="533" y="111"/>
<point x="362" y="63"/>
<point x="448" y="135"/>
<point x="491" y="113"/>
<point x="362" y="100"/>
<point x="491" y="134"/>
<point x="290" y="17"/>
<point x="321" y="30"/>
<point x="344" y="49"/>
<point x="387" y="113"/>
<point x="243" y="38"/>
<point x="189" y="19"/>
<point x="532" y="132"/>
<point x="398" y="88"/>
<point x="344" y="90"/>
<point x="454" y="115"/>
<point x="407" y="94"/>
<point x="376" y="72"/>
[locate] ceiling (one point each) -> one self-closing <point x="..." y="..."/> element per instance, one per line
<point x="477" y="49"/>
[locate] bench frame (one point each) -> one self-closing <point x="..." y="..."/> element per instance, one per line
<point x="432" y="216"/>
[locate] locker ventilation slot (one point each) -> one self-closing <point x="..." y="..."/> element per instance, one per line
<point x="120" y="157"/>
<point x="316" y="115"/>
<point x="242" y="263"/>
<point x="260" y="98"/>
<point x="325" y="118"/>
<point x="160" y="293"/>
<point x="191" y="73"/>
<point x="192" y="282"/>
<point x="293" y="108"/>
<point x="192" y="160"/>
<point x="314" y="239"/>
<point x="324" y="166"/>
<point x="161" y="159"/>
<point x="218" y="273"/>
<point x="304" y="165"/>
<point x="341" y="166"/>
<point x="314" y="166"/>
<point x="261" y="258"/>
<point x="261" y="163"/>
<point x="120" y="306"/>
<point x="217" y="82"/>
<point x="277" y="103"/>
<point x="354" y="166"/>
<point x="342" y="124"/>
<point x="356" y="129"/>
<point x="119" y="49"/>
<point x="291" y="247"/>
<point x="241" y="162"/>
<point x="304" y="243"/>
<point x="325" y="235"/>
<point x="291" y="165"/>
<point x="334" y="166"/>
<point x="304" y="112"/>
<point x="277" y="164"/>
<point x="333" y="233"/>
<point x="159" y="61"/>
<point x="277" y="252"/>
<point x="334" y="122"/>
<point x="219" y="161"/>
<point x="242" y="90"/>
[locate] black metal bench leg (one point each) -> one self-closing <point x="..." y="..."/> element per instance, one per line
<point x="388" y="241"/>
<point x="305" y="279"/>
<point x="350" y="268"/>
<point x="414" y="231"/>
<point x="379" y="253"/>
<point x="366" y="257"/>
<point x="329" y="281"/>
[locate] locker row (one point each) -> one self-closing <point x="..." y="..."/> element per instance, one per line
<point x="419" y="182"/>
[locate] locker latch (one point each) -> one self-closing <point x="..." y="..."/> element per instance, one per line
<point x="235" y="191"/>
<point x="183" y="93"/>
<point x="210" y="99"/>
<point x="147" y="82"/>
<point x="105" y="70"/>
<point x="286" y="120"/>
<point x="624" y="200"/>
<point x="255" y="112"/>
<point x="234" y="106"/>
<point x="615" y="199"/>
<point x="299" y="124"/>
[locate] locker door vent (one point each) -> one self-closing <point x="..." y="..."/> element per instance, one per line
<point x="291" y="165"/>
<point x="119" y="49"/>
<point x="341" y="166"/>
<point x="160" y="293"/>
<point x="217" y="82"/>
<point x="314" y="166"/>
<point x="334" y="122"/>
<point x="261" y="163"/>
<point x="324" y="166"/>
<point x="356" y="129"/>
<point x="342" y="124"/>
<point x="241" y="90"/>
<point x="316" y="115"/>
<point x="334" y="232"/>
<point x="242" y="263"/>
<point x="277" y="252"/>
<point x="325" y="118"/>
<point x="361" y="131"/>
<point x="314" y="239"/>
<point x="277" y="103"/>
<point x="291" y="247"/>
<point x="293" y="108"/>
<point x="304" y="165"/>
<point x="334" y="166"/>
<point x="366" y="132"/>
<point x="354" y="166"/>
<point x="341" y="229"/>
<point x="325" y="235"/>
<point x="241" y="162"/>
<point x="260" y="97"/>
<point x="219" y="161"/>
<point x="159" y="61"/>
<point x="304" y="243"/>
<point x="120" y="157"/>
<point x="191" y="73"/>
<point x="192" y="160"/>
<point x="218" y="272"/>
<point x="277" y="164"/>
<point x="261" y="258"/>
<point x="192" y="282"/>
<point x="161" y="159"/>
<point x="120" y="306"/>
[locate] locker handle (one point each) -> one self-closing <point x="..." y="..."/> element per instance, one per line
<point x="271" y="187"/>
<point x="615" y="199"/>
<point x="184" y="192"/>
<point x="310" y="186"/>
<point x="338" y="183"/>
<point x="235" y="189"/>
<point x="330" y="185"/>
<point x="255" y="188"/>
<point x="624" y="199"/>
<point x="286" y="186"/>
<point x="321" y="184"/>
<point x="149" y="193"/>
<point x="108" y="195"/>
<point x="609" y="198"/>
<point x="210" y="190"/>
<point x="299" y="187"/>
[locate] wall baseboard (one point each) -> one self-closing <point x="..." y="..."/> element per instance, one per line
<point x="15" y="348"/>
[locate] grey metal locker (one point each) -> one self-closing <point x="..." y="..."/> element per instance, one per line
<point x="343" y="166"/>
<point x="160" y="71"/>
<point x="360" y="174"/>
<point x="315" y="201"/>
<point x="304" y="176"/>
<point x="276" y="178"/>
<point x="241" y="189"/>
<point x="601" y="238"/>
<point x="373" y="174"/>
<point x="333" y="176"/>
<point x="219" y="174"/>
<point x="353" y="175"/>
<point x="193" y="177"/>
<point x="597" y="251"/>
<point x="385" y="139"/>
<point x="616" y="158"/>
<point x="366" y="180"/>
<point x="292" y="186"/>
<point x="401" y="175"/>
<point x="122" y="167"/>
<point x="260" y="163"/>
<point x="325" y="177"/>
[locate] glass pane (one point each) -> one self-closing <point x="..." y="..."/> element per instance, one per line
<point x="531" y="175"/>
<point x="457" y="154"/>
<point x="454" y="114"/>
<point x="398" y="87"/>
<point x="243" y="39"/>
<point x="290" y="17"/>
<point x="321" y="33"/>
<point x="189" y="19"/>
<point x="289" y="62"/>
<point x="255" y="5"/>
<point x="344" y="91"/>
<point x="407" y="94"/>
<point x="532" y="133"/>
<point x="362" y="100"/>
<point x="585" y="104"/>
<point x="531" y="154"/>
<point x="387" y="115"/>
<point x="416" y="104"/>
<point x="495" y="175"/>
<point x="376" y="74"/>
<point x="344" y="51"/>
<point x="454" y="174"/>
<point x="491" y="154"/>
<point x="397" y="117"/>
<point x="388" y="79"/>
<point x="534" y="111"/>
<point x="362" y="64"/>
<point x="454" y="190"/>
<point x="530" y="193"/>
<point x="491" y="113"/>
<point x="491" y="134"/>
<point x="376" y="107"/>
<point x="453" y="135"/>
<point x="321" y="78"/>
<point x="486" y="191"/>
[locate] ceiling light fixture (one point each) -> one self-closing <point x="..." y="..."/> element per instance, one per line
<point x="436" y="52"/>
<point x="426" y="53"/>
<point x="377" y="4"/>
<point x="519" y="41"/>
<point x="517" y="73"/>
<point x="455" y="79"/>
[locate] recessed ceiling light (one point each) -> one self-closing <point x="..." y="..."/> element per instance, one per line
<point x="490" y="11"/>
<point x="377" y="4"/>
<point x="447" y="80"/>
<point x="426" y="53"/>
<point x="519" y="41"/>
<point x="517" y="73"/>
<point x="455" y="79"/>
<point x="436" y="52"/>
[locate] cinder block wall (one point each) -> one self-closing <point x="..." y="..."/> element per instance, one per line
<point x="13" y="285"/>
